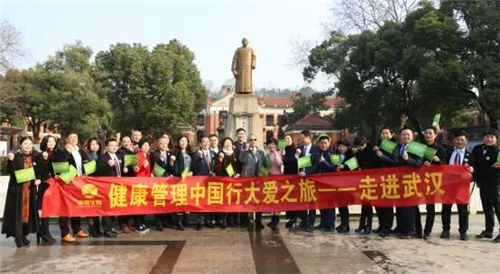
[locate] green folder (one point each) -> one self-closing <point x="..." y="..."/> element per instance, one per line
<point x="435" y="121"/>
<point x="60" y="167"/>
<point x="184" y="173"/>
<point x="263" y="171"/>
<point x="25" y="175"/>
<point x="304" y="162"/>
<point x="335" y="159"/>
<point x="130" y="160"/>
<point x="429" y="153"/>
<point x="230" y="170"/>
<point x="267" y="161"/>
<point x="416" y="148"/>
<point x="90" y="167"/>
<point x="388" y="146"/>
<point x="158" y="171"/>
<point x="281" y="144"/>
<point x="498" y="157"/>
<point x="69" y="175"/>
<point x="352" y="163"/>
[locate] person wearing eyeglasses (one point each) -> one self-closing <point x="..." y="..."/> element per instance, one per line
<point x="459" y="155"/>
<point x="252" y="159"/>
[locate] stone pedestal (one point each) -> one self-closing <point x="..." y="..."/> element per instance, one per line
<point x="244" y="112"/>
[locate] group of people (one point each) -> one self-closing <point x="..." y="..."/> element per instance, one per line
<point x="213" y="156"/>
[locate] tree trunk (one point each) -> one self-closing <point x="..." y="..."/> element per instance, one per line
<point x="35" y="128"/>
<point x="374" y="136"/>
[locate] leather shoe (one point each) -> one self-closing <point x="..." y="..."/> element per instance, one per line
<point x="272" y="227"/>
<point x="19" y="242"/>
<point x="110" y="234"/>
<point x="484" y="234"/>
<point x="427" y="236"/>
<point x="343" y="229"/>
<point x="497" y="239"/>
<point x="126" y="229"/>
<point x="25" y="240"/>
<point x="259" y="226"/>
<point x="68" y="239"/>
<point x="463" y="237"/>
<point x="327" y="229"/>
<point x="405" y="236"/>
<point x="445" y="234"/>
<point x="81" y="234"/>
<point x="320" y="226"/>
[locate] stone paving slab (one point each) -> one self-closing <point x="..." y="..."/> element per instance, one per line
<point x="239" y="251"/>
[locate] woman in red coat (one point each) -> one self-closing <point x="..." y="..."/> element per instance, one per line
<point x="143" y="162"/>
<point x="144" y="170"/>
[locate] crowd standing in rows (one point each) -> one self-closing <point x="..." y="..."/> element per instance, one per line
<point x="24" y="200"/>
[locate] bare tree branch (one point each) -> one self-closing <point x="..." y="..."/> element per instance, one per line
<point x="359" y="15"/>
<point x="11" y="45"/>
<point x="300" y="52"/>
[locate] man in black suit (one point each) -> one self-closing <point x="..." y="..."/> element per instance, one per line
<point x="161" y="158"/>
<point x="306" y="149"/>
<point x="203" y="163"/>
<point x="459" y="155"/>
<point x="405" y="216"/>
<point x="240" y="144"/>
<point x="366" y="158"/>
<point x="487" y="174"/>
<point x="430" y="135"/>
<point x="109" y="165"/>
<point x="321" y="163"/>
<point x="126" y="148"/>
<point x="387" y="159"/>
<point x="77" y="158"/>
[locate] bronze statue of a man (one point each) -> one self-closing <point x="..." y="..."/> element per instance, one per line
<point x="244" y="61"/>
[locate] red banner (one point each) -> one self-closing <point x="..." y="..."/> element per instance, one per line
<point x="386" y="187"/>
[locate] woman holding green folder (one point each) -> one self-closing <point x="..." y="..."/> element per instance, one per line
<point x="225" y="165"/>
<point x="20" y="215"/>
<point x="181" y="164"/>
<point x="344" y="153"/>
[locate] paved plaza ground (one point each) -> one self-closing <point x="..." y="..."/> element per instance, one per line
<point x="240" y="251"/>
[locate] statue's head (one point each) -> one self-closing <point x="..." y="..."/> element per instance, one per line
<point x="244" y="42"/>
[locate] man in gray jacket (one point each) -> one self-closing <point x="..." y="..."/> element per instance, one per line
<point x="252" y="159"/>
